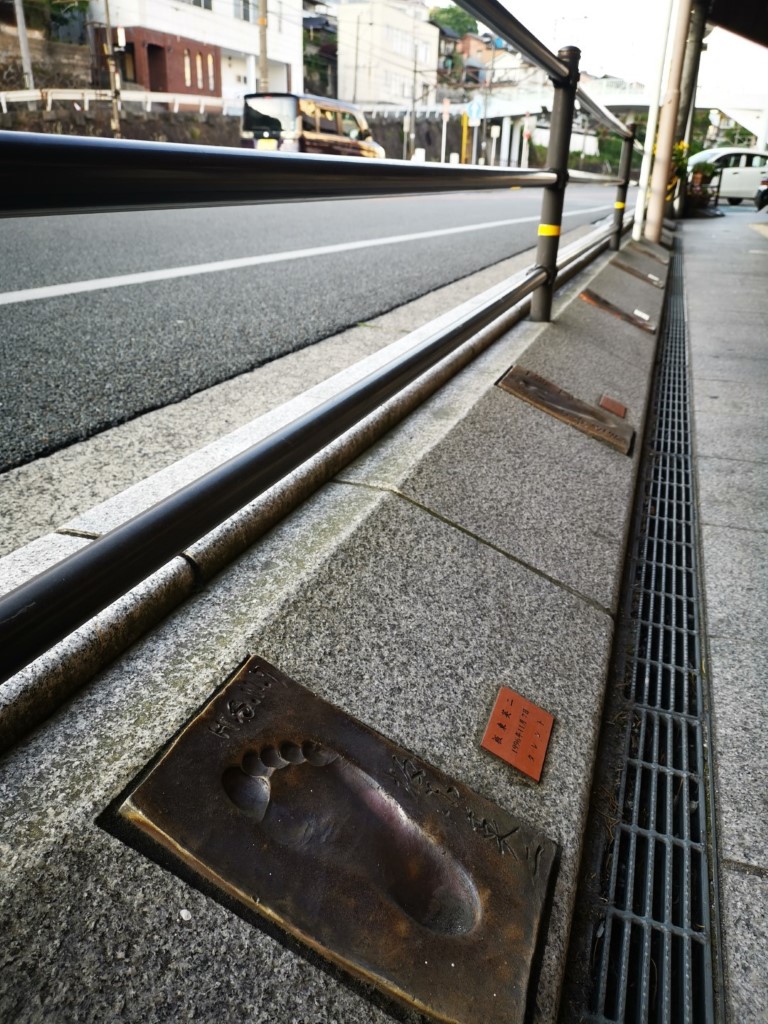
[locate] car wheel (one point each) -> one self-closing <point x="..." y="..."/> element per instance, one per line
<point x="734" y="202"/>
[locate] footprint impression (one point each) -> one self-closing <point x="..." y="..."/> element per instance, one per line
<point x="313" y="800"/>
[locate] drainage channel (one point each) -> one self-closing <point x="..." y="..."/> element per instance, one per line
<point x="643" y="948"/>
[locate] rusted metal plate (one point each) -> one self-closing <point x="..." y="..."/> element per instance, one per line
<point x="637" y="317"/>
<point x="652" y="251"/>
<point x="589" y="419"/>
<point x="518" y="732"/>
<point x="642" y="274"/>
<point x="372" y="857"/>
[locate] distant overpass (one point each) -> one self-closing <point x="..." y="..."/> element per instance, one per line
<point x="618" y="96"/>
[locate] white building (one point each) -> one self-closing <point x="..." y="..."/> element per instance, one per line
<point x="206" y="46"/>
<point x="387" y="52"/>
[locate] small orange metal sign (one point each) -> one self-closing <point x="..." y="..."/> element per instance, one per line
<point x="613" y="405"/>
<point x="518" y="732"/>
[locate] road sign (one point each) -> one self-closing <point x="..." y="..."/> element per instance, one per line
<point x="474" y="113"/>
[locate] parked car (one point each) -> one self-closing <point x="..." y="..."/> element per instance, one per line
<point x="740" y="170"/>
<point x="761" y="196"/>
<point x="305" y="124"/>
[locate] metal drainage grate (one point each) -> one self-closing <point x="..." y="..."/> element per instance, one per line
<point x="651" y="957"/>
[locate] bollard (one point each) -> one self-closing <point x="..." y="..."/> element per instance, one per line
<point x="552" y="201"/>
<point x="625" y="165"/>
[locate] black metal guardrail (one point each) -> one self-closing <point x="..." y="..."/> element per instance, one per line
<point x="41" y="174"/>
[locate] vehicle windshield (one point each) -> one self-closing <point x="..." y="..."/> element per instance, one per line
<point x="269" y="113"/>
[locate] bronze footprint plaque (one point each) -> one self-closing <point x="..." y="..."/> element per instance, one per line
<point x="589" y="419"/>
<point x="376" y="860"/>
<point x="637" y="319"/>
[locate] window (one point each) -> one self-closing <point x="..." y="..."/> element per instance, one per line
<point x="205" y="4"/>
<point x="187" y="68"/>
<point x="128" y="64"/>
<point x="243" y="9"/>
<point x="757" y="160"/>
<point x="398" y="41"/>
<point x="349" y="125"/>
<point x="199" y="69"/>
<point x="308" y="111"/>
<point x="328" y="121"/>
<point x="211" y="74"/>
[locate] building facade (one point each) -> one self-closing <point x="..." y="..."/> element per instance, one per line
<point x="388" y="52"/>
<point x="205" y="47"/>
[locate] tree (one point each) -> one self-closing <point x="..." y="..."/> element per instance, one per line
<point x="453" y="17"/>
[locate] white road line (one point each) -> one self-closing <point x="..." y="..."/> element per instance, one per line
<point x="145" y="277"/>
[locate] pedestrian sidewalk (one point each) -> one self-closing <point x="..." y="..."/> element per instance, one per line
<point x="726" y="273"/>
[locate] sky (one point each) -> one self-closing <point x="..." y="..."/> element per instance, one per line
<point x="624" y="40"/>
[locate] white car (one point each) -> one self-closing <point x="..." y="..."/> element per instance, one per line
<point x="741" y="169"/>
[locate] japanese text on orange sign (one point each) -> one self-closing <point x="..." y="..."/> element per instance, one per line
<point x="518" y="732"/>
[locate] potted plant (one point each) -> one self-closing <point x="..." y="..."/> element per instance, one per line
<point x="699" y="193"/>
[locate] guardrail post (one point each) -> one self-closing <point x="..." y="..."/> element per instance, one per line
<point x="552" y="202"/>
<point x="625" y="165"/>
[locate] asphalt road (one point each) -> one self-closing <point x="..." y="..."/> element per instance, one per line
<point x="82" y="348"/>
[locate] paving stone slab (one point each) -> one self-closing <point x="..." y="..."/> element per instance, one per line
<point x="726" y="398"/>
<point x="609" y="334"/>
<point x="740" y="712"/>
<point x="744" y="899"/>
<point x="735" y="571"/>
<point x="734" y="437"/>
<point x="716" y="367"/>
<point x="629" y="293"/>
<point x="416" y="645"/>
<point x="733" y="493"/>
<point x="487" y="476"/>
<point x="643" y="263"/>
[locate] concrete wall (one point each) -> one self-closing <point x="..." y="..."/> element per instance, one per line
<point x="208" y="129"/>
<point x="54" y="65"/>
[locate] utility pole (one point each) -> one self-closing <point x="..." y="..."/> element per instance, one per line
<point x="114" y="78"/>
<point x="663" y="161"/>
<point x="357" y="58"/>
<point x="263" y="67"/>
<point x="412" y="133"/>
<point x="26" y="61"/>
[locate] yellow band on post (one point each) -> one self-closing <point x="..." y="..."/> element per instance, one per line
<point x="549" y="229"/>
<point x="618" y="206"/>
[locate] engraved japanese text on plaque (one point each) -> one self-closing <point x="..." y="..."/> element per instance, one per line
<point x="375" y="859"/>
<point x="518" y="732"/>
<point x="589" y="419"/>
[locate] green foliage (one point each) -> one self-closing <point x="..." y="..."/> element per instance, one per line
<point x="706" y="170"/>
<point x="41" y="14"/>
<point x="453" y="17"/>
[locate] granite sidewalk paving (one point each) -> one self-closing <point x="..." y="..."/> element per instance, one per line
<point x="726" y="281"/>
